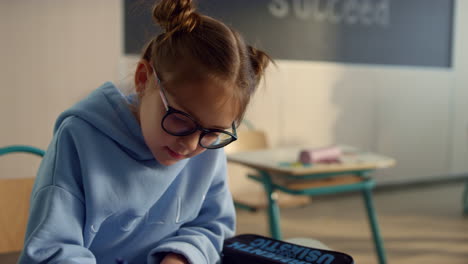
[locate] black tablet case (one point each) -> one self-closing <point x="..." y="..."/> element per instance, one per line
<point x="256" y="249"/>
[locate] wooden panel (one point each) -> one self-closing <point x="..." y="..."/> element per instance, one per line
<point x="14" y="206"/>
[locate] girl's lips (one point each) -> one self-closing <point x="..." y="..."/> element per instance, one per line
<point x="174" y="154"/>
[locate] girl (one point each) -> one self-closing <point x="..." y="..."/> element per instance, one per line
<point x="143" y="177"/>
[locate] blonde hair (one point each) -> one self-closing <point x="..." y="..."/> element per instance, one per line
<point x="214" y="48"/>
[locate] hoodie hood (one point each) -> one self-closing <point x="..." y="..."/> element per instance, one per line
<point x="107" y="109"/>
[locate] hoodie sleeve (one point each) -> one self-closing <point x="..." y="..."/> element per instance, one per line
<point x="201" y="240"/>
<point x="56" y="216"/>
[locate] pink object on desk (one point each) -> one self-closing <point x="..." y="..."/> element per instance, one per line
<point x="316" y="155"/>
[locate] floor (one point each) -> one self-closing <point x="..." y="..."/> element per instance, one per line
<point x="419" y="224"/>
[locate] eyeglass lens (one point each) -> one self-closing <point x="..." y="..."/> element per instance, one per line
<point x="178" y="124"/>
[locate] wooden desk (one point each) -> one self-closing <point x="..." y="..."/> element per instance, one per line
<point x="277" y="170"/>
<point x="274" y="160"/>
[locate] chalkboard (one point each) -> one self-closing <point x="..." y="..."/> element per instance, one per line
<point x="390" y="32"/>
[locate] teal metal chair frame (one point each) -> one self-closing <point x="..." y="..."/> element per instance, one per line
<point x="21" y="148"/>
<point x="365" y="187"/>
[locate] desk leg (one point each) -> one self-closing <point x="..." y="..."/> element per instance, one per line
<point x="374" y="225"/>
<point x="273" y="208"/>
<point x="465" y="199"/>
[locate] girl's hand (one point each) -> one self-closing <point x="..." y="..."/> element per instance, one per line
<point x="173" y="258"/>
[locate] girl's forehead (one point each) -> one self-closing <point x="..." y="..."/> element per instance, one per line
<point x="211" y="103"/>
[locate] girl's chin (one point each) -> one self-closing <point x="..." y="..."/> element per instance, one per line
<point x="169" y="163"/>
<point x="167" y="157"/>
<point x="166" y="161"/>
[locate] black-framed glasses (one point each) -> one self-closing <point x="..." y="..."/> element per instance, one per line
<point x="178" y="123"/>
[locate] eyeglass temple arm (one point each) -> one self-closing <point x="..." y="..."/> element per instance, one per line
<point x="234" y="130"/>
<point x="162" y="92"/>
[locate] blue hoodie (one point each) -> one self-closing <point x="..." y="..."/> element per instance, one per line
<point x="100" y="195"/>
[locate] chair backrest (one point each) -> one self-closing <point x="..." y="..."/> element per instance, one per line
<point x="14" y="203"/>
<point x="248" y="140"/>
<point x="244" y="192"/>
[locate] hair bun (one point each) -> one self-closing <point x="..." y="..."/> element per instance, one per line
<point x="175" y="15"/>
<point x="259" y="61"/>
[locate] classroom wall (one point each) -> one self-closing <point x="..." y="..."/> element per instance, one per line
<point x="55" y="52"/>
<point x="400" y="112"/>
<point x="52" y="54"/>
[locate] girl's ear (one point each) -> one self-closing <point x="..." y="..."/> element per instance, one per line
<point x="142" y="75"/>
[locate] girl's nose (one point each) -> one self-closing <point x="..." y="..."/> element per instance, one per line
<point x="190" y="142"/>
